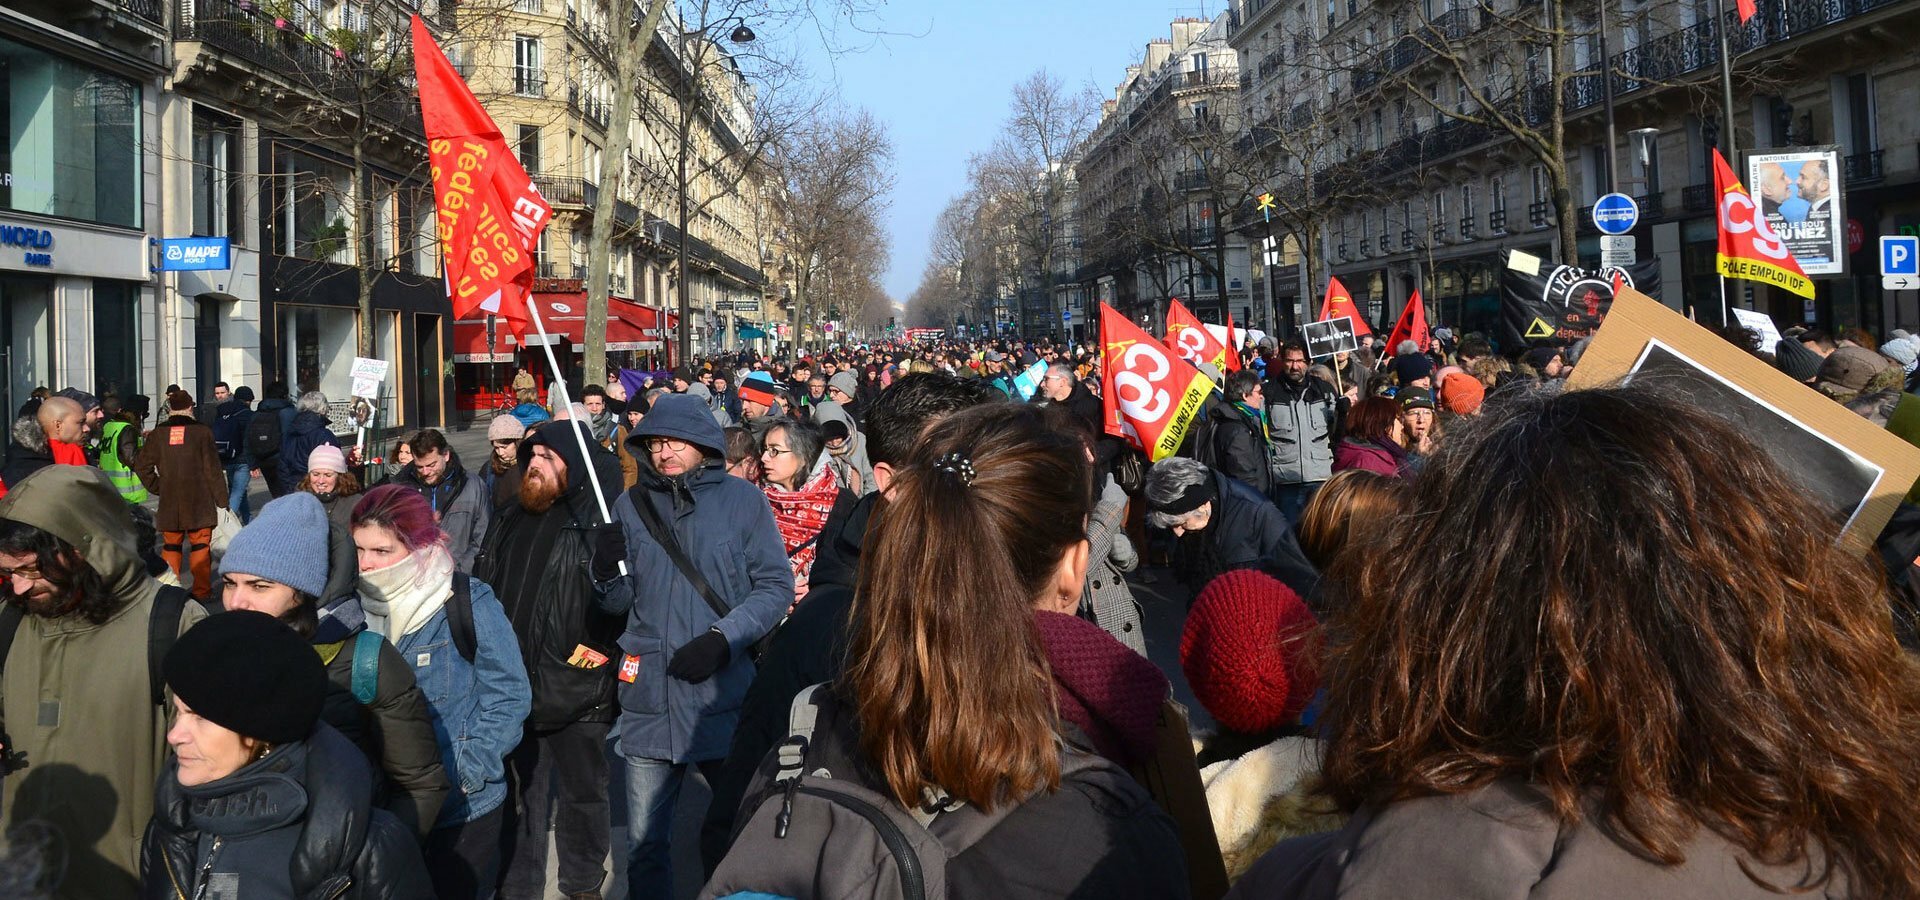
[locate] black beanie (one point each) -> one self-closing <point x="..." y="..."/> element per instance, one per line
<point x="248" y="672"/>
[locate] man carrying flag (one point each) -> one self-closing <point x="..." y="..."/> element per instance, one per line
<point x="1748" y="247"/>
<point x="1411" y="327"/>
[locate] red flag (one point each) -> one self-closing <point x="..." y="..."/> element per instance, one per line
<point x="490" y="214"/>
<point x="1191" y="340"/>
<point x="1233" y="346"/>
<point x="1748" y="247"/>
<point x="1747" y="9"/>
<point x="1340" y="303"/>
<point x="1146" y="395"/>
<point x="1411" y="327"/>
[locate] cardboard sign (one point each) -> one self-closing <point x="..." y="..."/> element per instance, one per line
<point x="1330" y="337"/>
<point x="367" y="375"/>
<point x="1857" y="471"/>
<point x="1762" y="324"/>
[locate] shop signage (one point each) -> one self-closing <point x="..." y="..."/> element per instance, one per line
<point x="193" y="254"/>
<point x="36" y="241"/>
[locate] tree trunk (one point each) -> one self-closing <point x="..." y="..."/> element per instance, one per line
<point x="362" y="236"/>
<point x="629" y="53"/>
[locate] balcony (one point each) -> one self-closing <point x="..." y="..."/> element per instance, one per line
<point x="1696" y="198"/>
<point x="1366" y="249"/>
<point x="1202" y="78"/>
<point x="1653" y="204"/>
<point x="1538" y="213"/>
<point x="1191" y="181"/>
<point x="1864" y="168"/>
<point x="529" y="82"/>
<point x="1386" y="244"/>
<point x="150" y="10"/>
<point x="592" y="36"/>
<point x="1467" y="225"/>
<point x="1440" y="235"/>
<point x="1343" y="252"/>
<point x="565" y="191"/>
<point x="1497" y="221"/>
<point x="1583" y="222"/>
<point x="590" y="108"/>
<point x="1197" y="237"/>
<point x="276" y="44"/>
<point x="1407" y="239"/>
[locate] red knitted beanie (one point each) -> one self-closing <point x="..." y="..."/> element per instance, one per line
<point x="1244" y="651"/>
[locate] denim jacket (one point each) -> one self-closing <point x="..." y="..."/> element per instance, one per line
<point x="477" y="707"/>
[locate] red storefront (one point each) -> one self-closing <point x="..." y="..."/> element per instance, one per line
<point x="484" y="370"/>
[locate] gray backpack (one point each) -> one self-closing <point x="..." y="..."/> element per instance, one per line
<point x="811" y="829"/>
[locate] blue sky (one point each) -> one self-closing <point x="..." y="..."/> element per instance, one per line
<point x="942" y="78"/>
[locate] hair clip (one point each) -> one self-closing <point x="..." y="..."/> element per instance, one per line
<point x="957" y="464"/>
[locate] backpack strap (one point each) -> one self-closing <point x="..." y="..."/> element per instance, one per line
<point x="802" y="716"/>
<point x="664" y="536"/>
<point x="460" y="617"/>
<point x="163" y="628"/>
<point x="366" y="666"/>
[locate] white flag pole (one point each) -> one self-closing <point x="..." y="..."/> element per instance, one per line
<point x="566" y="403"/>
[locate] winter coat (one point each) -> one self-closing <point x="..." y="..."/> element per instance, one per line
<point x="1302" y="420"/>
<point x="1241" y="448"/>
<point x="1249" y="532"/>
<point x="240" y="415"/>
<point x="478" y="707"/>
<point x="563" y="615"/>
<point x="1109" y="554"/>
<point x="299" y="822"/>
<point x="461" y="503"/>
<point x="179" y="463"/>
<point x="1381" y="459"/>
<point x="629" y="462"/>
<point x="308" y="430"/>
<point x="1503" y="840"/>
<point x="726" y="528"/>
<point x="76" y="697"/>
<point x="28" y="458"/>
<point x="1265" y="796"/>
<point x="340" y="509"/>
<point x="530" y="414"/>
<point x="850" y="462"/>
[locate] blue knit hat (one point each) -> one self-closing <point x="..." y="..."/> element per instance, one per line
<point x="286" y="542"/>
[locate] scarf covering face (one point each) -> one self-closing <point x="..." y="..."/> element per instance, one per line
<point x="800" y="515"/>
<point x="400" y="598"/>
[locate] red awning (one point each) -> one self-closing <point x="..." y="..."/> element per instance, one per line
<point x="470" y="342"/>
<point x="563" y="314"/>
<point x="631" y="326"/>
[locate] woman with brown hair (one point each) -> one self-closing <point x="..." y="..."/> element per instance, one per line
<point x="1351" y="503"/>
<point x="1655" y="674"/>
<point x="1372" y="439"/>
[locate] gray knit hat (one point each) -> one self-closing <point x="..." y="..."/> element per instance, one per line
<point x="846" y="381"/>
<point x="286" y="542"/>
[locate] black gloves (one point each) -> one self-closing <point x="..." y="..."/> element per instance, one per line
<point x="609" y="551"/>
<point x="700" y="658"/>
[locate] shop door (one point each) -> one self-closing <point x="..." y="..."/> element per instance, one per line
<point x="426" y="371"/>
<point x="26" y="338"/>
<point x="206" y="346"/>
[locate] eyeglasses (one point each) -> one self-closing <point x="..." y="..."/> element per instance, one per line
<point x="30" y="572"/>
<point x="775" y="450"/>
<point x="655" y="445"/>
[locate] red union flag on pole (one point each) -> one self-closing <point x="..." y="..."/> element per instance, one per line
<point x="490" y="214"/>
<point x="1147" y="396"/>
<point x="1191" y="340"/>
<point x="1748" y="247"/>
<point x="1340" y="303"/>
<point x="1411" y="327"/>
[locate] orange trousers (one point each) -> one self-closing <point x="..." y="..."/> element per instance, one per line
<point x="190" y="555"/>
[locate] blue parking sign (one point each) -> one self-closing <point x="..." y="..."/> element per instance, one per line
<point x="1900" y="254"/>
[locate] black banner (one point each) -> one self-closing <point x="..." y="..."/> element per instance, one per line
<point x="1558" y="305"/>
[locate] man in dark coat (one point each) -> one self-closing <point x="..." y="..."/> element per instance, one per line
<point x="179" y="464"/>
<point x="307" y="429"/>
<point x="536" y="556"/>
<point x="811" y="646"/>
<point x="1223" y="524"/>
<point x="1238" y="434"/>
<point x="279" y="405"/>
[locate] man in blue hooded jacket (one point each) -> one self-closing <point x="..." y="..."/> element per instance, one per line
<point x="684" y="665"/>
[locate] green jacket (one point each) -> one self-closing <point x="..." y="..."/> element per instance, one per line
<point x="75" y="696"/>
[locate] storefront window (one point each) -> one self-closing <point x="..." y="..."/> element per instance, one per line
<point x="319" y="343"/>
<point x="72" y="139"/>
<point x="116" y="342"/>
<point x="26" y="337"/>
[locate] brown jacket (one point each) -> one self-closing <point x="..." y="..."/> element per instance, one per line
<point x="179" y="463"/>
<point x="1504" y="841"/>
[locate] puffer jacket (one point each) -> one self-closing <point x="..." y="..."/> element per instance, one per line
<point x="308" y="430"/>
<point x="463" y="507"/>
<point x="726" y="527"/>
<point x="299" y="820"/>
<point x="562" y="615"/>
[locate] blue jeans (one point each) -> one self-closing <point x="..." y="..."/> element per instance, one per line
<point x="239" y="478"/>
<point x="653" y="787"/>
<point x="1292" y="499"/>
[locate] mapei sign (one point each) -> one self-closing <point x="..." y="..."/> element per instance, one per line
<point x="195" y="254"/>
<point x="36" y="241"/>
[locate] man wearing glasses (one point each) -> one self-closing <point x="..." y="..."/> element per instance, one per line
<point x="705" y="577"/>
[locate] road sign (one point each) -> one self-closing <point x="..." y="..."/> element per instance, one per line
<point x="1330" y="337"/>
<point x="194" y="254"/>
<point x="1899" y="262"/>
<point x="1618" y="250"/>
<point x="1615" y="214"/>
<point x="1066" y="315"/>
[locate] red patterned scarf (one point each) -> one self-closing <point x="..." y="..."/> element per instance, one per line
<point x="800" y="515"/>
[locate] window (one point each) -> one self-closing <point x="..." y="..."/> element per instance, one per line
<point x="1200" y="63"/>
<point x="426" y="236"/>
<point x="1332" y="7"/>
<point x="1541" y="190"/>
<point x="116" y="330"/>
<point x="528" y="79"/>
<point x="533" y="7"/>
<point x="216" y="187"/>
<point x="1466" y="201"/>
<point x="1379" y="130"/>
<point x="314" y="196"/>
<point x="1439" y="209"/>
<point x="383" y="223"/>
<point x="1858" y="133"/>
<point x="1497" y="195"/>
<point x="72" y="145"/>
<point x="528" y="148"/>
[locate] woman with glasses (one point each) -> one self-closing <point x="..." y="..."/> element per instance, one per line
<point x="803" y="491"/>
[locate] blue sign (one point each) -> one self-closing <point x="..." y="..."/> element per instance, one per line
<point x="1899" y="255"/>
<point x="1066" y="315"/>
<point x="1615" y="214"/>
<point x="194" y="254"/>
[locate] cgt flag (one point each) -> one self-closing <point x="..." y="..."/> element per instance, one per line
<point x="1146" y="395"/>
<point x="1191" y="340"/>
<point x="1411" y="327"/>
<point x="490" y="214"/>
<point x="1340" y="303"/>
<point x="1748" y="247"/>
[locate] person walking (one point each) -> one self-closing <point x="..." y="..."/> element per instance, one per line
<point x="1241" y="447"/>
<point x="684" y="663"/>
<point x="120" y="446"/>
<point x="536" y="553"/>
<point x="262" y="798"/>
<point x="178" y="463"/>
<point x="79" y="698"/>
<point x="461" y="506"/>
<point x="472" y="673"/>
<point x="267" y="432"/>
<point x="1303" y="415"/>
<point x="229" y="425"/>
<point x="309" y="428"/>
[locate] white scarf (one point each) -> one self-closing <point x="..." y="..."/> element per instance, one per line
<point x="400" y="598"/>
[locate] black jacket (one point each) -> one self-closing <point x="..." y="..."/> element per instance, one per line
<point x="1239" y="447"/>
<point x="811" y="647"/>
<point x="342" y="846"/>
<point x="1249" y="532"/>
<point x="309" y="430"/>
<point x="563" y="615"/>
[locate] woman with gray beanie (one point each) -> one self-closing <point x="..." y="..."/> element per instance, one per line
<point x="261" y="798"/>
<point x="291" y="563"/>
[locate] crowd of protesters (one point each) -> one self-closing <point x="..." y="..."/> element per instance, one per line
<point x="1455" y="632"/>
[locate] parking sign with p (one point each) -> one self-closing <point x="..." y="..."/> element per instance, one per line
<point x="1900" y="262"/>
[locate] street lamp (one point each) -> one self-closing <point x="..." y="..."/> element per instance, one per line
<point x="741" y="35"/>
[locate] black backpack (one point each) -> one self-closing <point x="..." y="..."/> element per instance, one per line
<point x="263" y="435"/>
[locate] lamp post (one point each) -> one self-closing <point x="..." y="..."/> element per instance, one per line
<point x="740" y="35"/>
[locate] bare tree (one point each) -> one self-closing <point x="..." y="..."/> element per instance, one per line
<point x="837" y="174"/>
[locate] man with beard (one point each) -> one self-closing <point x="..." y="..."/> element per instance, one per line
<point x="462" y="506"/>
<point x="536" y="556"/>
<point x="79" y="697"/>
<point x="1303" y="415"/>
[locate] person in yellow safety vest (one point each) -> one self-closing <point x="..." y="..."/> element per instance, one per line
<point x="119" y="442"/>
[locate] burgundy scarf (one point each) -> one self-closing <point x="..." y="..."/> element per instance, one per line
<point x="1112" y="693"/>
